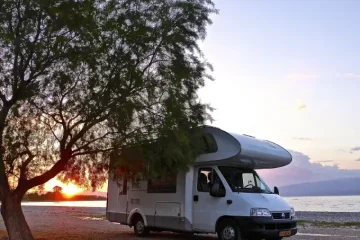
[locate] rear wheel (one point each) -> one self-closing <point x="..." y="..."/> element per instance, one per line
<point x="229" y="230"/>
<point x="139" y="227"/>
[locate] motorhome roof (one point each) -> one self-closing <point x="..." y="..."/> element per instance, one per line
<point x="244" y="150"/>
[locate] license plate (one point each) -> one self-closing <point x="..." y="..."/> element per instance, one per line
<point x="285" y="233"/>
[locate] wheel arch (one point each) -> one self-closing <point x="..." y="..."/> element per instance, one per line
<point x="220" y="219"/>
<point x="134" y="213"/>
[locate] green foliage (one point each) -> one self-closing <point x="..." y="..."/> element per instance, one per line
<point x="166" y="155"/>
<point x="82" y="79"/>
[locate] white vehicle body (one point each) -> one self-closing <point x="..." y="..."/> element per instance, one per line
<point x="184" y="204"/>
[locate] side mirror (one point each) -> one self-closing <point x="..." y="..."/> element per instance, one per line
<point x="216" y="191"/>
<point x="276" y="190"/>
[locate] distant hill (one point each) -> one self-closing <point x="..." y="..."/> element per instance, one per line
<point x="96" y="193"/>
<point x="339" y="187"/>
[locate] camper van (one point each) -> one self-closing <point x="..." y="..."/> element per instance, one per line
<point x="221" y="194"/>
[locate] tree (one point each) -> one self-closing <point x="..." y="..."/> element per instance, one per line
<point x="80" y="80"/>
<point x="57" y="189"/>
<point x="57" y="192"/>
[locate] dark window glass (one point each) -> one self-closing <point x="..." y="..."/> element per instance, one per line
<point x="125" y="186"/>
<point x="210" y="143"/>
<point x="162" y="185"/>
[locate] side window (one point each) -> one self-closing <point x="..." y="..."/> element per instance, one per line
<point x="122" y="185"/>
<point x="260" y="184"/>
<point x="248" y="180"/>
<point x="137" y="182"/>
<point x="204" y="178"/>
<point x="162" y="185"/>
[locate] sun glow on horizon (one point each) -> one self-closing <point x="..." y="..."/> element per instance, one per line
<point x="68" y="190"/>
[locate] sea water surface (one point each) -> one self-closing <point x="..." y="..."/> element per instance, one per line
<point x="325" y="203"/>
<point x="311" y="204"/>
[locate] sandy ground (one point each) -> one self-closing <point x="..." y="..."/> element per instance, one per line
<point x="75" y="223"/>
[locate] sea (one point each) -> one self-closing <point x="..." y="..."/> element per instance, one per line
<point x="311" y="204"/>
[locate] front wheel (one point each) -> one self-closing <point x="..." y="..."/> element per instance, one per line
<point x="229" y="230"/>
<point x="139" y="227"/>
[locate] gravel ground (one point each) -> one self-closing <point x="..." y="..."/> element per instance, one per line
<point x="339" y="217"/>
<point x="88" y="223"/>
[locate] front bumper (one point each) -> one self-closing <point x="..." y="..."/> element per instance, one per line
<point x="266" y="227"/>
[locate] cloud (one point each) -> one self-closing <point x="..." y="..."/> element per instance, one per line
<point x="355" y="149"/>
<point x="300" y="105"/>
<point x="301" y="76"/>
<point x="302" y="170"/>
<point x="325" y="161"/>
<point x="302" y="139"/>
<point x="349" y="75"/>
<point x="341" y="150"/>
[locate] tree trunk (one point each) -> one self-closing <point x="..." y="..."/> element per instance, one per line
<point x="14" y="219"/>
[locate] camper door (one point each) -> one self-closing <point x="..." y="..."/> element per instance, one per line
<point x="207" y="209"/>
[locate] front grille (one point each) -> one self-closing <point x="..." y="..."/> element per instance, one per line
<point x="280" y="215"/>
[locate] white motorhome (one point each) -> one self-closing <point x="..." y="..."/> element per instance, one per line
<point x="221" y="193"/>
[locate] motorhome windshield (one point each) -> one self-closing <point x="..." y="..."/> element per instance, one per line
<point x="243" y="180"/>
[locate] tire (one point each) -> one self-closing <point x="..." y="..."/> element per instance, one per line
<point x="279" y="238"/>
<point x="229" y="230"/>
<point x="139" y="227"/>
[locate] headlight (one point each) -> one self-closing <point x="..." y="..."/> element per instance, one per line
<point x="260" y="212"/>
<point x="292" y="212"/>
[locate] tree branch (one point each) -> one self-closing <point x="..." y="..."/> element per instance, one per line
<point x="86" y="128"/>
<point x="56" y="169"/>
<point x="38" y="32"/>
<point x="92" y="152"/>
<point x="23" y="168"/>
<point x="88" y="143"/>
<point x="4" y="182"/>
<point x="3" y="98"/>
<point x="66" y="131"/>
<point x="51" y="129"/>
<point x="17" y="47"/>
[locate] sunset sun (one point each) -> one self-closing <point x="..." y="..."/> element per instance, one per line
<point x="70" y="190"/>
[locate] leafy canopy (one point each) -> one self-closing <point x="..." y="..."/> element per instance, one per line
<point x="81" y="79"/>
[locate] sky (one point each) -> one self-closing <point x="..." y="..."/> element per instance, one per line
<point x="289" y="72"/>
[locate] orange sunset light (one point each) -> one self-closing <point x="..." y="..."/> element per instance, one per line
<point x="68" y="189"/>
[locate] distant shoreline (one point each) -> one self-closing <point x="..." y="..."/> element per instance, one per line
<point x="65" y="200"/>
<point x="60" y="197"/>
<point x="291" y="196"/>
